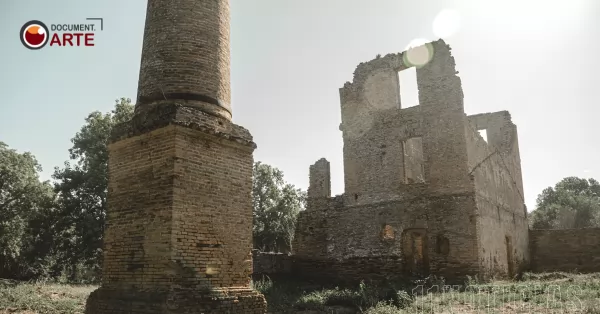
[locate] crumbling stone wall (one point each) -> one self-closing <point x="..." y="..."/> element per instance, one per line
<point x="375" y="132"/>
<point x="271" y="264"/>
<point x="343" y="242"/>
<point x="418" y="185"/>
<point x="320" y="179"/>
<point x="502" y="220"/>
<point x="565" y="250"/>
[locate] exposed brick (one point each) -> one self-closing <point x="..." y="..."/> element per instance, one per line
<point x="268" y="263"/>
<point x="186" y="55"/>
<point x="565" y="250"/>
<point x="178" y="234"/>
<point x="320" y="179"/>
<point x="422" y="171"/>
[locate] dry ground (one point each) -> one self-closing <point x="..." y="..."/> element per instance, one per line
<point x="536" y="293"/>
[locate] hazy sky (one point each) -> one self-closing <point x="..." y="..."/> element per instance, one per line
<point x="536" y="58"/>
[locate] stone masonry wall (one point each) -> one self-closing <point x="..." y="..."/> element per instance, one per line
<point x="374" y="161"/>
<point x="169" y="244"/>
<point x="212" y="216"/>
<point x="502" y="221"/>
<point x="138" y="229"/>
<point x="565" y="250"/>
<point x="319" y="179"/>
<point x="444" y="143"/>
<point x="375" y="131"/>
<point x="502" y="135"/>
<point x="206" y="227"/>
<point x="367" y="241"/>
<point x="409" y="199"/>
<point x="271" y="264"/>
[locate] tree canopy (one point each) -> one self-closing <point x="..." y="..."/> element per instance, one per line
<point x="276" y="207"/>
<point x="23" y="198"/>
<point x="572" y="203"/>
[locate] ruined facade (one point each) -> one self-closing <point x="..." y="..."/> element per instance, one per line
<point x="424" y="192"/>
<point x="178" y="235"/>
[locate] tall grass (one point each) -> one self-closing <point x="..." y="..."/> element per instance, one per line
<point x="533" y="293"/>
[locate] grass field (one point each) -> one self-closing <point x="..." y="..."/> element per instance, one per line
<point x="536" y="293"/>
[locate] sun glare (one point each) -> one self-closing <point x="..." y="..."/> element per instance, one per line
<point x="418" y="52"/>
<point x="446" y="23"/>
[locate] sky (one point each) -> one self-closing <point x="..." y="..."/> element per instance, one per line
<point x="534" y="58"/>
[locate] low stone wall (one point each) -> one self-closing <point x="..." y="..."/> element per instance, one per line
<point x="350" y="271"/>
<point x="565" y="250"/>
<point x="271" y="264"/>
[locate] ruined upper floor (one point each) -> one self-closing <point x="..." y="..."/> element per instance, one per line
<point x="432" y="147"/>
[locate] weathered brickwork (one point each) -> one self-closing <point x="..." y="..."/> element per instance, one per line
<point x="565" y="250"/>
<point x="179" y="223"/>
<point x="178" y="234"/>
<point x="424" y="193"/>
<point x="350" y="241"/>
<point x="496" y="168"/>
<point x="186" y="55"/>
<point x="270" y="264"/>
<point x="320" y="179"/>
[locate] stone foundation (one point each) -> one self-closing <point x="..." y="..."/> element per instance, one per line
<point x="178" y="234"/>
<point x="123" y="301"/>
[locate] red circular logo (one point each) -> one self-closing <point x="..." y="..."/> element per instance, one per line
<point x="34" y="35"/>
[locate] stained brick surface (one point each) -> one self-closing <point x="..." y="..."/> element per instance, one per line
<point x="565" y="250"/>
<point x="178" y="234"/>
<point x="423" y="169"/>
<point x="180" y="217"/>
<point x="186" y="52"/>
<point x="269" y="263"/>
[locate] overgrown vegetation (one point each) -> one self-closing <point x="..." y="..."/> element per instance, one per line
<point x="30" y="298"/>
<point x="535" y="293"/>
<point x="276" y="207"/>
<point x="571" y="203"/>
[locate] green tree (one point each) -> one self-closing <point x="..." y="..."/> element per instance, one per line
<point x="276" y="207"/>
<point x="82" y="190"/>
<point x="23" y="200"/>
<point x="572" y="203"/>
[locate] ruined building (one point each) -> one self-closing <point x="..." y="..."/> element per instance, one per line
<point x="178" y="235"/>
<point x="424" y="192"/>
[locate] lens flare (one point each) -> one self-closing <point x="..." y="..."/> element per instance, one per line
<point x="446" y="23"/>
<point x="418" y="52"/>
